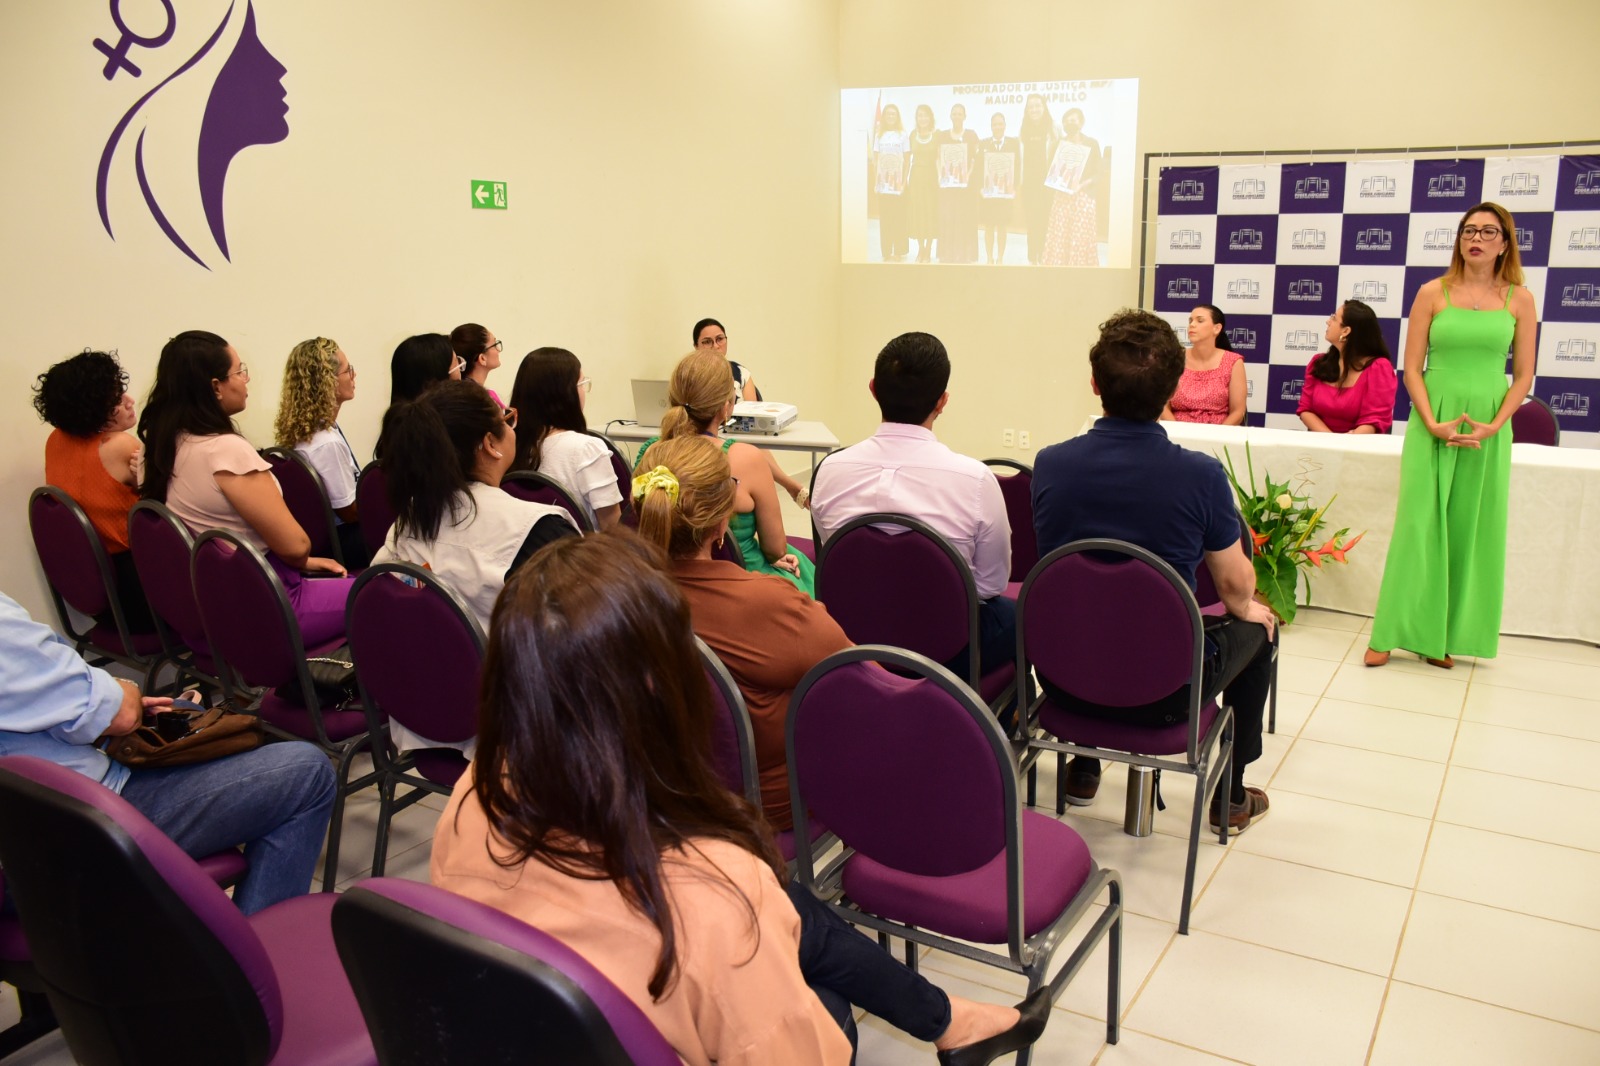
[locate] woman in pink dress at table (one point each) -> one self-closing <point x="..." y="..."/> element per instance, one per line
<point x="1350" y="387"/>
<point x="1212" y="388"/>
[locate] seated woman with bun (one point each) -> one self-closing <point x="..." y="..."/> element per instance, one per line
<point x="766" y="632"/>
<point x="90" y="456"/>
<point x="552" y="436"/>
<point x="1213" y="387"/>
<point x="199" y="465"/>
<point x="445" y="454"/>
<point x="592" y="810"/>
<point x="701" y="398"/>
<point x="1350" y="387"/>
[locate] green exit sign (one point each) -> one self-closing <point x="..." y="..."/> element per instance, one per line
<point x="489" y="195"/>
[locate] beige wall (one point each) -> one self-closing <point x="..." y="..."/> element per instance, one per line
<point x="669" y="160"/>
<point x="1243" y="76"/>
<point x="659" y="167"/>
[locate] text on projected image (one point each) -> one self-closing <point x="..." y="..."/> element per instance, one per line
<point x="1015" y="173"/>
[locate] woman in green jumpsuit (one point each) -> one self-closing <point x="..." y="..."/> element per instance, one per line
<point x="1444" y="579"/>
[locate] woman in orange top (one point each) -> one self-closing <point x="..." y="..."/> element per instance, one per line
<point x="592" y="810"/>
<point x="89" y="456"/>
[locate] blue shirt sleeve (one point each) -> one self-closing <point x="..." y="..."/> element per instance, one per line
<point x="1222" y="517"/>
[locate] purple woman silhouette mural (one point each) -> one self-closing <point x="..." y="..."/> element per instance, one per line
<point x="247" y="105"/>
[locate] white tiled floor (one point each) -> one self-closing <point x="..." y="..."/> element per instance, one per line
<point x="1424" y="890"/>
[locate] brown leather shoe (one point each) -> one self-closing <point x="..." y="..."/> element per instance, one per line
<point x="1446" y="663"/>
<point x="1242" y="816"/>
<point x="1375" y="658"/>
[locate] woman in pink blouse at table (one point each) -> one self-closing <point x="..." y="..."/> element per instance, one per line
<point x="1350" y="387"/>
<point x="1212" y="388"/>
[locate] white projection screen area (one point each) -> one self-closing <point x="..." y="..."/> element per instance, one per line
<point x="1014" y="174"/>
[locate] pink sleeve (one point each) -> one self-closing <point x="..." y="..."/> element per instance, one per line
<point x="1377" y="396"/>
<point x="229" y="453"/>
<point x="1305" y="393"/>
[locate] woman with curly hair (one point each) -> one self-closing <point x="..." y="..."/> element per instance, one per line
<point x="318" y="380"/>
<point x="90" y="456"/>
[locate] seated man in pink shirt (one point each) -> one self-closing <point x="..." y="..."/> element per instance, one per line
<point x="903" y="469"/>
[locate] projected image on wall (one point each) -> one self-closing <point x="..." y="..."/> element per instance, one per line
<point x="1009" y="174"/>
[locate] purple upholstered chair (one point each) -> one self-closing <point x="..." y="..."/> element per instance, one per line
<point x="254" y="632"/>
<point x="307" y="499"/>
<point x="419" y="655"/>
<point x="540" y="488"/>
<point x="1535" y="423"/>
<point x="162" y="546"/>
<point x="624" y="474"/>
<point x="1016" y="485"/>
<point x="78" y="572"/>
<point x="915" y="775"/>
<point x="372" y="504"/>
<point x="1113" y="625"/>
<point x="908" y="589"/>
<point x="492" y="989"/>
<point x="144" y="958"/>
<point x="1210" y="601"/>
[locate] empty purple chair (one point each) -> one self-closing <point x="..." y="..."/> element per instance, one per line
<point x="908" y="589"/>
<point x="449" y="981"/>
<point x="1535" y="423"/>
<point x="372" y="504"/>
<point x="419" y="655"/>
<point x="540" y="488"/>
<point x="251" y="627"/>
<point x="1016" y="486"/>
<point x="915" y="775"/>
<point x="162" y="546"/>
<point x="307" y="500"/>
<point x="144" y="958"/>
<point x="1113" y="625"/>
<point x="624" y="474"/>
<point x="78" y="572"/>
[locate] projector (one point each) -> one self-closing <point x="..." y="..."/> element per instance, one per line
<point x="756" y="416"/>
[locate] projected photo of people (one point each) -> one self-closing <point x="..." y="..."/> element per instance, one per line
<point x="1010" y="174"/>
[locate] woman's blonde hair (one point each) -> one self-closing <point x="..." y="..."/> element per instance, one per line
<point x="701" y="384"/>
<point x="310" y="381"/>
<point x="1507" y="265"/>
<point x="705" y="493"/>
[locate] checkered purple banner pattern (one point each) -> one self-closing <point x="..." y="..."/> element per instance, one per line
<point x="1278" y="246"/>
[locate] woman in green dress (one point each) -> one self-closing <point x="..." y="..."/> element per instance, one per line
<point x="1445" y="577"/>
<point x="701" y="398"/>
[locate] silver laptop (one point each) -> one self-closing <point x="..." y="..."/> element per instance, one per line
<point x="649" y="401"/>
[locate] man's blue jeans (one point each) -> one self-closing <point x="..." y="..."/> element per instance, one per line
<point x="274" y="800"/>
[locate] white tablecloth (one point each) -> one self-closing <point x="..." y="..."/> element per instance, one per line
<point x="1552" y="543"/>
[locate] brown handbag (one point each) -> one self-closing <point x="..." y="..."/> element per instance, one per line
<point x="178" y="736"/>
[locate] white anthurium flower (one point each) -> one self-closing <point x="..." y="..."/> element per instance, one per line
<point x="1285" y="502"/>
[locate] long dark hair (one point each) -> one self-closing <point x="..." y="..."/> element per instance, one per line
<point x="597" y="772"/>
<point x="545" y="395"/>
<point x="1364" y="344"/>
<point x="182" y="400"/>
<point x="418" y="362"/>
<point x="1039" y="127"/>
<point x="430" y="448"/>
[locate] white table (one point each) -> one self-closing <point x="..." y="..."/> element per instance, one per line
<point x="812" y="437"/>
<point x="1552" y="541"/>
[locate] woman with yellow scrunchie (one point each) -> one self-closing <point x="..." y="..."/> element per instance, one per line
<point x="701" y="398"/>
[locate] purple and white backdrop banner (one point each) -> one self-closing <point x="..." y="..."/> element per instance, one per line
<point x="1278" y="246"/>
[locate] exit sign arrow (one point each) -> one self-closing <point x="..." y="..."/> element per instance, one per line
<point x="488" y="195"/>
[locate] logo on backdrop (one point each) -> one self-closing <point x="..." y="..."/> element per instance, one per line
<point x="1308" y="289"/>
<point x="1311" y="189"/>
<point x="1574" y="404"/>
<point x="246" y="106"/>
<point x="1290" y="392"/>
<point x="1184" y="240"/>
<point x="1250" y="189"/>
<point x="1524" y="239"/>
<point x="1583" y="294"/>
<point x="1439" y="240"/>
<point x="1576" y="350"/>
<point x="1447" y="187"/>
<point x="1587" y="183"/>
<point x="1243" y="339"/>
<point x="1310" y="240"/>
<point x="1521" y="183"/>
<point x="1249" y="388"/>
<point x="1372" y="291"/>
<point x="1375" y="239"/>
<point x="1183" y="289"/>
<point x="1378" y="187"/>
<point x="1246" y="240"/>
<point x="1244" y="289"/>
<point x="1586" y="239"/>
<point x="1301" y="340"/>
<point x="1188" y="191"/>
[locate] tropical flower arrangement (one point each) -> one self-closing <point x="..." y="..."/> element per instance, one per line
<point x="1283" y="521"/>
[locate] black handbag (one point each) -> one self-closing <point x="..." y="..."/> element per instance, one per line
<point x="333" y="678"/>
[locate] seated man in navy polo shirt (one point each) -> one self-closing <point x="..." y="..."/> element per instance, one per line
<point x="1125" y="480"/>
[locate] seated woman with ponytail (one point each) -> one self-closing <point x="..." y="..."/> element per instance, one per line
<point x="444" y="454"/>
<point x="701" y="398"/>
<point x="592" y="810"/>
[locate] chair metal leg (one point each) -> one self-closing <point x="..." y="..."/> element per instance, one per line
<point x="1194" y="848"/>
<point x="330" y="866"/>
<point x="911" y="956"/>
<point x="1061" y="784"/>
<point x="1114" y="969"/>
<point x="37" y="1020"/>
<point x="380" y="846"/>
<point x="883" y="940"/>
<point x="1272" y="696"/>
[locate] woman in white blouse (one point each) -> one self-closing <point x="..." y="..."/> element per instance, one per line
<point x="552" y="437"/>
<point x="318" y="380"/>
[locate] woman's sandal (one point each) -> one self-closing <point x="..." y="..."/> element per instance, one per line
<point x="1446" y="663"/>
<point x="1375" y="658"/>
